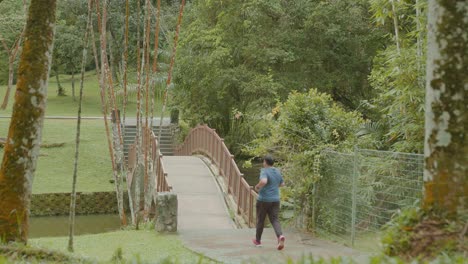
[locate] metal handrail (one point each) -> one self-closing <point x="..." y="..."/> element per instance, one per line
<point x="204" y="140"/>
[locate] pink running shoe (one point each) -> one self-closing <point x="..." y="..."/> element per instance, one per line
<point x="281" y="240"/>
<point x="256" y="242"/>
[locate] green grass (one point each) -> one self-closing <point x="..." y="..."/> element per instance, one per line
<point x="55" y="165"/>
<point x="146" y="245"/>
<point x="65" y="106"/>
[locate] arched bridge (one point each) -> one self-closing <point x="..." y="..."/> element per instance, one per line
<point x="214" y="199"/>
<point x="211" y="190"/>
<point x="189" y="174"/>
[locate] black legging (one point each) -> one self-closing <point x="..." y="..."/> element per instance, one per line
<point x="272" y="210"/>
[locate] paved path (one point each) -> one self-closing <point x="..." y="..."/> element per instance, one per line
<point x="235" y="246"/>
<point x="201" y="203"/>
<point x="205" y="225"/>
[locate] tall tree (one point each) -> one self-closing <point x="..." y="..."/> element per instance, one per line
<point x="446" y="151"/>
<point x="78" y="130"/>
<point x="24" y="135"/>
<point x="106" y="87"/>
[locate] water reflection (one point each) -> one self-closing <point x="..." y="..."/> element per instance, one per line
<point x="49" y="226"/>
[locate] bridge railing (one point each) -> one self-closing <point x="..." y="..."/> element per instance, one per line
<point x="204" y="140"/>
<point x="161" y="184"/>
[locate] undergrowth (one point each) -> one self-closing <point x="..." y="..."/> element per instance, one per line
<point x="414" y="234"/>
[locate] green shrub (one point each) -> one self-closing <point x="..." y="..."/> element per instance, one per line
<point x="307" y="123"/>
<point x="397" y="233"/>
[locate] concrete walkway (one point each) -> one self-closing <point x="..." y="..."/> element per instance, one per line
<point x="201" y="202"/>
<point x="235" y="246"/>
<point x="205" y="225"/>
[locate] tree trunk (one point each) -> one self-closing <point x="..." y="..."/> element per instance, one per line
<point x="396" y="26"/>
<point x="419" y="45"/>
<point x="73" y="85"/>
<point x="24" y="135"/>
<point x="10" y="83"/>
<point x="155" y="58"/>
<point x="171" y="66"/>
<point x="136" y="175"/>
<point x="446" y="151"/>
<point x="12" y="53"/>
<point x="60" y="90"/>
<point x="106" y="80"/>
<point x="78" y="130"/>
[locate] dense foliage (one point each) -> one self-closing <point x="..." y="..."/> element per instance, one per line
<point x="12" y="21"/>
<point x="307" y="123"/>
<point x="247" y="68"/>
<point x="398" y="76"/>
<point x="241" y="57"/>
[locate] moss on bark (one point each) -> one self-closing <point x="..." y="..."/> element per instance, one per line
<point x="446" y="169"/>
<point x="24" y="135"/>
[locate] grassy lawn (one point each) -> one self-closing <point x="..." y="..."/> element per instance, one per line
<point x="65" y="106"/>
<point x="55" y="165"/>
<point x="146" y="245"/>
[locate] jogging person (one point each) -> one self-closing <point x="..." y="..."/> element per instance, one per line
<point x="268" y="202"/>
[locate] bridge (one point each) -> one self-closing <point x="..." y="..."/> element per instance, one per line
<point x="216" y="205"/>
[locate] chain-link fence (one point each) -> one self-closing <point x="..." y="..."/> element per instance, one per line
<point x="359" y="192"/>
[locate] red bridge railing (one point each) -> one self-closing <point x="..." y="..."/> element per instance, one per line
<point x="204" y="140"/>
<point x="161" y="183"/>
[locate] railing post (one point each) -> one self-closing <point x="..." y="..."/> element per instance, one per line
<point x="239" y="190"/>
<point x="354" y="189"/>
<point x="215" y="150"/>
<point x="251" y="206"/>
<point x="222" y="156"/>
<point x="230" y="186"/>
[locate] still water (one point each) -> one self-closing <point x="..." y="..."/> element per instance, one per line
<point x="251" y="174"/>
<point x="49" y="226"/>
<point x="52" y="226"/>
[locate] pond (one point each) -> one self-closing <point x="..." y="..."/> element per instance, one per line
<point x="51" y="226"/>
<point x="251" y="174"/>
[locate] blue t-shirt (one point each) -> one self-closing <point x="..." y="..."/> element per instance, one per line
<point x="270" y="192"/>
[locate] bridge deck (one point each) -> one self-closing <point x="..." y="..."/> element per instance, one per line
<point x="205" y="225"/>
<point x="201" y="202"/>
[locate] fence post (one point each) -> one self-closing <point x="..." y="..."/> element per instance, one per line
<point x="354" y="190"/>
<point x="305" y="223"/>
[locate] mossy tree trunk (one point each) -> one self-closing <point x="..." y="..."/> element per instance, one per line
<point x="446" y="151"/>
<point x="24" y="135"/>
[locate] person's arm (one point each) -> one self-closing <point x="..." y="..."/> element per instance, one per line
<point x="261" y="184"/>
<point x="263" y="181"/>
<point x="282" y="184"/>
